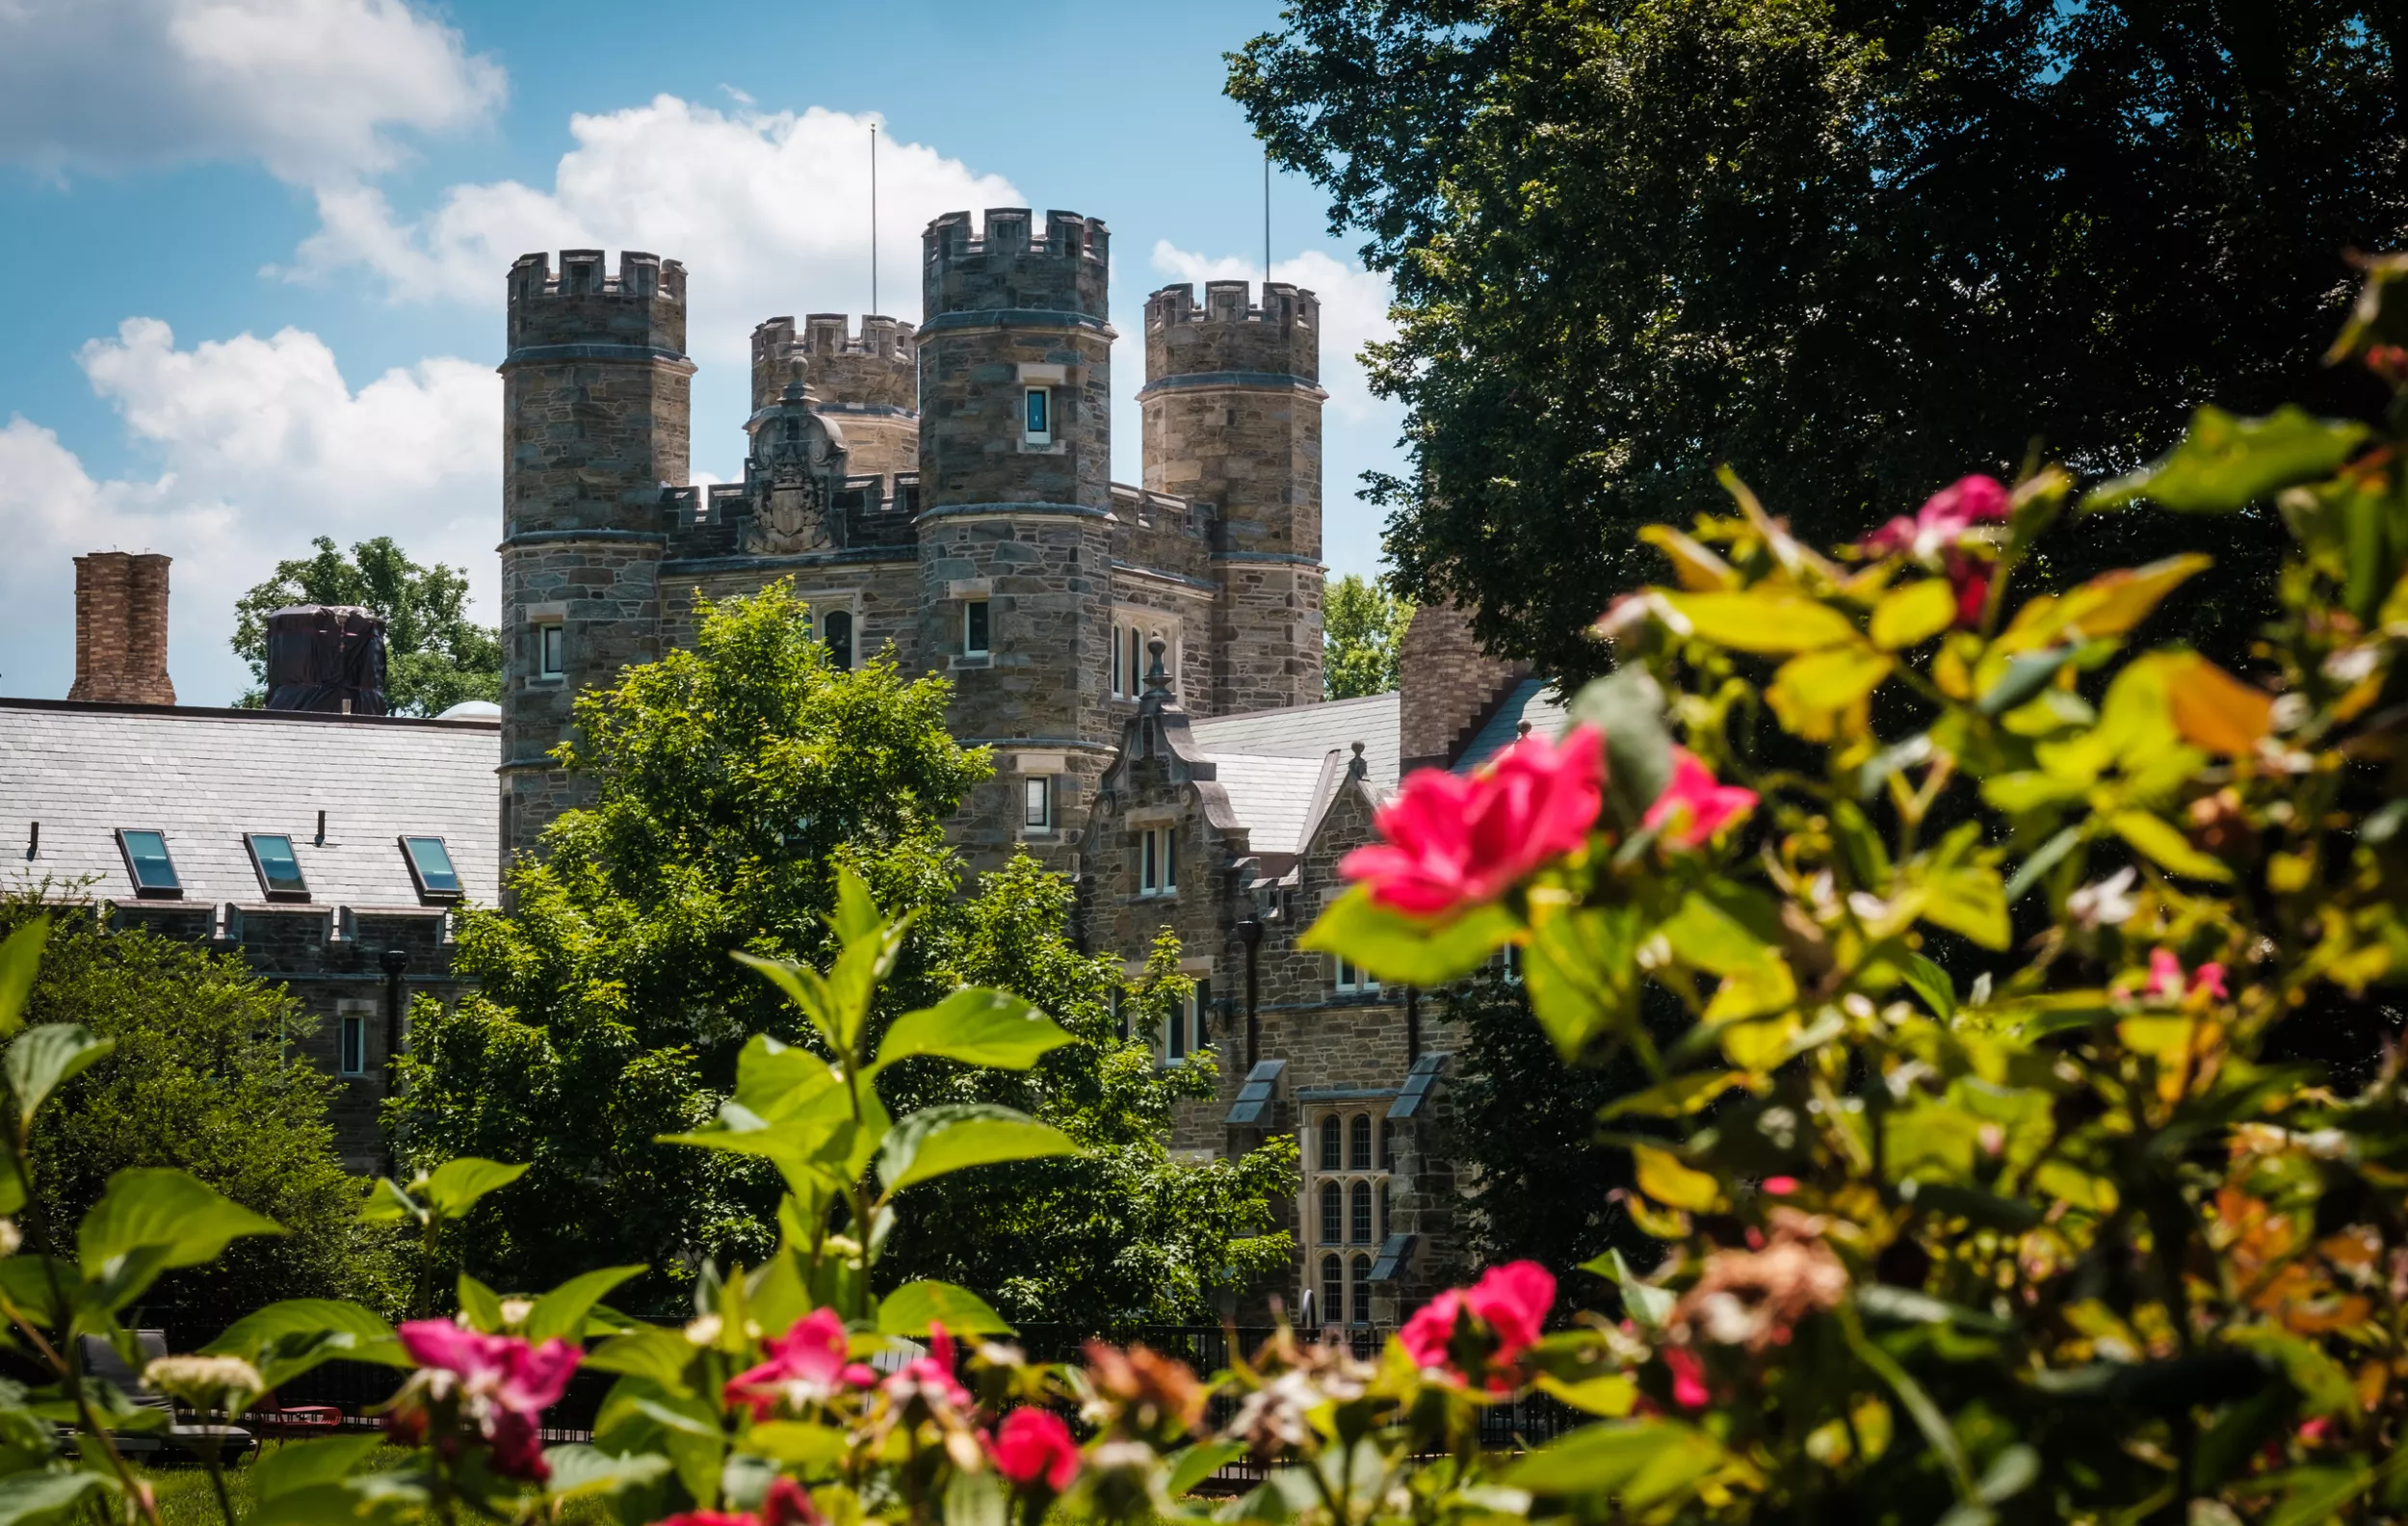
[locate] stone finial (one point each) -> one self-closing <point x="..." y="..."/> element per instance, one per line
<point x="1356" y="768"/>
<point x="1522" y="730"/>
<point x="1157" y="677"/>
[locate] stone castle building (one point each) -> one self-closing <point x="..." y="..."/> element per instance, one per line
<point x="1144" y="661"/>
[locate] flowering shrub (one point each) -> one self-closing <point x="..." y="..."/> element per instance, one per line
<point x="1983" y="1191"/>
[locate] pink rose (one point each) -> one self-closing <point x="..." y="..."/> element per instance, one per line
<point x="1943" y="519"/>
<point x="806" y="1366"/>
<point x="1512" y="1301"/>
<point x="930" y="1377"/>
<point x="1031" y="1446"/>
<point x="1689" y="1378"/>
<point x="1693" y="807"/>
<point x="2167" y="982"/>
<point x="502" y="1383"/>
<point x="1454" y="841"/>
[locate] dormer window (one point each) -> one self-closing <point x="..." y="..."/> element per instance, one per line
<point x="431" y="867"/>
<point x="147" y="864"/>
<point x="1036" y="415"/>
<point x="1157" y="861"/>
<point x="278" y="868"/>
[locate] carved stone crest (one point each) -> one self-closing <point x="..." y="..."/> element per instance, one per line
<point x="797" y="456"/>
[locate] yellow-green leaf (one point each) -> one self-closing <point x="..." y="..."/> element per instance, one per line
<point x="1811" y="692"/>
<point x="2216" y="711"/>
<point x="2171" y="850"/>
<point x="1915" y="613"/>
<point x="1409" y="951"/>
<point x="1612" y="1395"/>
<point x="1698" y="568"/>
<point x="1762" y="620"/>
<point x="1663" y="1176"/>
<point x="1970" y="900"/>
<point x="2109" y="604"/>
<point x="1677" y="1097"/>
<point x="2225" y="463"/>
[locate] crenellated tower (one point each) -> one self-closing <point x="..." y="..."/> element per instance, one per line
<point x="595" y="409"/>
<point x="1232" y="417"/>
<point x="868" y="383"/>
<point x="1014" y="528"/>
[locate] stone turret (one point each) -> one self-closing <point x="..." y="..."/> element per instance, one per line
<point x="1232" y="417"/>
<point x="869" y="383"/>
<point x="1015" y="559"/>
<point x="596" y="405"/>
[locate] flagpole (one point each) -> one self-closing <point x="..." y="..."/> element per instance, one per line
<point x="873" y="217"/>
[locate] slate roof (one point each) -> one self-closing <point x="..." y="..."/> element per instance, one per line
<point x="1273" y="795"/>
<point x="205" y="776"/>
<point x="1530" y="701"/>
<point x="1314" y="731"/>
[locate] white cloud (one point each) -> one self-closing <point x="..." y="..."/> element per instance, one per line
<point x="770" y="210"/>
<point x="260" y="445"/>
<point x="310" y="87"/>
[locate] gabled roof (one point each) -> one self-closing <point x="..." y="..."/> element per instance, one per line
<point x="1314" y="731"/>
<point x="205" y="777"/>
<point x="1529" y="701"/>
<point x="1272" y="796"/>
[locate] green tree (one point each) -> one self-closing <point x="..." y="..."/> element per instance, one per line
<point x="1362" y="631"/>
<point x="1854" y="248"/>
<point x="435" y="656"/>
<point x="733" y="783"/>
<point x="201" y="1077"/>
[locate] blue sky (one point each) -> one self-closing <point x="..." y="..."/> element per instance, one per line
<point x="258" y="246"/>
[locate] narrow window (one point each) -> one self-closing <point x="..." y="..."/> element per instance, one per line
<point x="551" y="650"/>
<point x="1333" y="1208"/>
<point x="1333" y="1291"/>
<point x="1203" y="1002"/>
<point x="147" y="864"/>
<point x="1120" y="680"/>
<point x="1171" y="859"/>
<point x="353" y="1060"/>
<point x="1387" y="1144"/>
<point x="1149" y="871"/>
<point x="1359" y="1143"/>
<point x="279" y="870"/>
<point x="1036" y="425"/>
<point x="430" y="865"/>
<point x="1036" y="803"/>
<point x="1175" y="1033"/>
<point x="839" y="636"/>
<point x="1157" y="861"/>
<point x="1359" y="1220"/>
<point x="1137" y="662"/>
<point x="1329" y="1142"/>
<point x="1362" y="1310"/>
<point x="1383" y="1213"/>
<point x="974" y="629"/>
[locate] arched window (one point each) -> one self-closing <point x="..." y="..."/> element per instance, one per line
<point x="1387" y="1144"/>
<point x="838" y="629"/>
<point x="1332" y="1214"/>
<point x="1359" y="1143"/>
<point x="1329" y="1142"/>
<point x="1359" y="1226"/>
<point x="1362" y="1290"/>
<point x="1383" y="1212"/>
<point x="1333" y="1291"/>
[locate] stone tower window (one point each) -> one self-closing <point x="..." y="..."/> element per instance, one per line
<point x="1037" y="420"/>
<point x="837" y="631"/>
<point x="1036" y="803"/>
<point x="976" y="636"/>
<point x="551" y="650"/>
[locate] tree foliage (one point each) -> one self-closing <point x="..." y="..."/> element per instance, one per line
<point x="1362" y="635"/>
<point x="1852" y="248"/>
<point x="435" y="657"/>
<point x="202" y="1076"/>
<point x="734" y="785"/>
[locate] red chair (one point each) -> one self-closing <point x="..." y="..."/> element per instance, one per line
<point x="270" y="1417"/>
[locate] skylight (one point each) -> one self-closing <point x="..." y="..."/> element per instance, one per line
<point x="430" y="865"/>
<point x="147" y="861"/>
<point x="280" y="869"/>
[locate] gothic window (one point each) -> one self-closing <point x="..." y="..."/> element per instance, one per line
<point x="1387" y="1146"/>
<point x="1333" y="1291"/>
<point x="1362" y="1280"/>
<point x="1359" y="1143"/>
<point x="1330" y="1144"/>
<point x="837" y="632"/>
<point x="1333" y="1212"/>
<point x="1383" y="1212"/>
<point x="1359" y="1219"/>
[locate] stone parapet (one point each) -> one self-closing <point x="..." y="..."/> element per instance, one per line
<point x="1005" y="266"/>
<point x="643" y="307"/>
<point x="1279" y="338"/>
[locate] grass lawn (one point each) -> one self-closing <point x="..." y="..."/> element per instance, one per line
<point x="185" y="1498"/>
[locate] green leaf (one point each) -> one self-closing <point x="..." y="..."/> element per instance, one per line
<point x="1762" y="620"/>
<point x="1613" y="1394"/>
<point x="1664" y="1176"/>
<point x="389" y="1203"/>
<point x="1813" y="690"/>
<point x="287" y="1339"/>
<point x="956" y="1136"/>
<point x="46" y="1057"/>
<point x="1677" y="1097"/>
<point x="2224" y="464"/>
<point x="976" y="1026"/>
<point x="300" y="1465"/>
<point x="909" y="1309"/>
<point x="2025" y="676"/>
<point x="806" y="987"/>
<point x="26" y="1282"/>
<point x="1913" y="614"/>
<point x="46" y="1494"/>
<point x="579" y="1470"/>
<point x="20" y="957"/>
<point x="170" y="1211"/>
<point x="12" y="1183"/>
<point x="563" y="1311"/>
<point x="482" y="1304"/>
<point x="1930" y="982"/>
<point x="650" y="1352"/>
<point x="1640" y="1463"/>
<point x="1196" y="1464"/>
<point x="2152" y="836"/>
<point x="1970" y="900"/>
<point x="1648" y="1305"/>
<point x="1580" y="970"/>
<point x="457" y="1185"/>
<point x="1627" y="707"/>
<point x="2045" y="858"/>
<point x="1408" y="951"/>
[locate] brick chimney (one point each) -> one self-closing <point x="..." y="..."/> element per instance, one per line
<point x="121" y="629"/>
<point x="1448" y="686"/>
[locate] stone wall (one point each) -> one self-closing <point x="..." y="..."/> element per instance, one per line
<point x="605" y="594"/>
<point x="1448" y="686"/>
<point x="121" y="629"/>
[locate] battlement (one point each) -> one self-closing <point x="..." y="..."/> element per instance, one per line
<point x="1228" y="332"/>
<point x="879" y="367"/>
<point x="643" y="305"/>
<point x="1005" y="265"/>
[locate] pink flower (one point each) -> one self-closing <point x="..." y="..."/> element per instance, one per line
<point x="1031" y="1445"/>
<point x="1943" y="519"/>
<point x="806" y="1366"/>
<point x="1512" y="1301"/>
<point x="1780" y="1186"/>
<point x="787" y="1505"/>
<point x="2166" y="981"/>
<point x="1693" y="807"/>
<point x="2210" y="978"/>
<point x="1454" y="841"/>
<point x="930" y="1377"/>
<point x="1689" y="1378"/>
<point x="502" y="1385"/>
<point x="1970" y="577"/>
